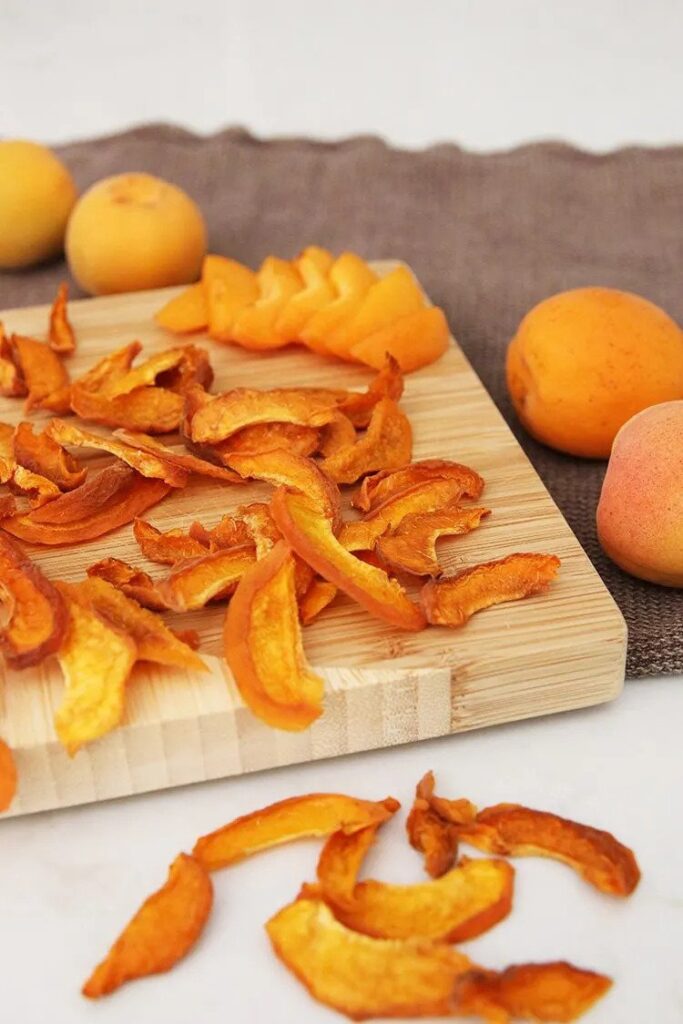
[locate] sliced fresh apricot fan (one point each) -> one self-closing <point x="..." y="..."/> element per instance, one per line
<point x="351" y="277"/>
<point x="414" y="340"/>
<point x="255" y="325"/>
<point x="313" y="265"/>
<point x="229" y="287"/>
<point x="186" y="312"/>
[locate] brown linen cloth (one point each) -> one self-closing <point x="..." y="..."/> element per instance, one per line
<point x="488" y="235"/>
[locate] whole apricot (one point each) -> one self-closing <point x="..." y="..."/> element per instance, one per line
<point x="640" y="512"/>
<point x="134" y="231"/>
<point x="37" y="194"/>
<point x="584" y="361"/>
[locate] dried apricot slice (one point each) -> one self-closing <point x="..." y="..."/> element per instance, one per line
<point x="430" y="833"/>
<point x="263" y="646"/>
<point x="42" y="454"/>
<point x="223" y="415"/>
<point x="423" y="497"/>
<point x="411" y="547"/>
<point x="315" y="600"/>
<point x="41" y="370"/>
<point x="452" y="600"/>
<point x="162" y="932"/>
<point x="61" y="334"/>
<point x="388" y="383"/>
<point x="166" y="548"/>
<point x="182" y="460"/>
<point x="281" y="467"/>
<point x="192" y="584"/>
<point x="132" y="582"/>
<point x="387" y="444"/>
<point x="33" y="616"/>
<point x="377" y="488"/>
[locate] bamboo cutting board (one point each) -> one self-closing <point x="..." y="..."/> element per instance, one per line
<point x="564" y="649"/>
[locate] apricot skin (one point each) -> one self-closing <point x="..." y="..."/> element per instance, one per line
<point x="37" y="194"/>
<point x="583" y="362"/>
<point x="640" y="512"/>
<point x="134" y="231"/>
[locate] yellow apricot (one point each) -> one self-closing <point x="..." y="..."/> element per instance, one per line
<point x="134" y="231"/>
<point x="37" y="194"/>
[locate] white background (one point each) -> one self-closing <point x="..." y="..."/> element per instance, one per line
<point x="486" y="75"/>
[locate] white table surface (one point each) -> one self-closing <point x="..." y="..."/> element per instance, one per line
<point x="486" y="74"/>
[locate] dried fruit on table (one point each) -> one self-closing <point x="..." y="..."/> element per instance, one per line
<point x="162" y="932"/>
<point x="255" y="325"/>
<point x="337" y="434"/>
<point x="377" y="488"/>
<point x="284" y="468"/>
<point x="43" y="372"/>
<point x="229" y="286"/>
<point x="429" y="833"/>
<point x="110" y="499"/>
<point x="311" y="537"/>
<point x="466" y="901"/>
<point x="192" y="584"/>
<point x="154" y="640"/>
<point x="147" y="373"/>
<point x="423" y="497"/>
<point x="542" y="992"/>
<point x="394" y="296"/>
<point x="131" y="581"/>
<point x="412" y="546"/>
<point x="12" y="383"/>
<point x="8" y="506"/>
<point x="414" y="341"/>
<point x="264" y="437"/>
<point x="42" y="454"/>
<point x="262" y="530"/>
<point x="299" y="817"/>
<point x="181" y="460"/>
<point x="142" y="462"/>
<point x="452" y="600"/>
<point x="365" y="977"/>
<point x="7" y="462"/>
<point x="313" y="265"/>
<point x="515" y="831"/>
<point x="61" y="334"/>
<point x="229" y="532"/>
<point x="315" y="600"/>
<point x="186" y="312"/>
<point x="386" y="444"/>
<point x="8" y="776"/>
<point x="223" y="415"/>
<point x="263" y="646"/>
<point x="33" y="616"/>
<point x="166" y="548"/>
<point x="96" y="659"/>
<point x="351" y="278"/>
<point x="388" y="383"/>
<point x="37" y="488"/>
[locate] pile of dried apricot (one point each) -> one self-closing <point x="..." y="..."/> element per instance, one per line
<point x="374" y="949"/>
<point x="336" y="307"/>
<point x="279" y="563"/>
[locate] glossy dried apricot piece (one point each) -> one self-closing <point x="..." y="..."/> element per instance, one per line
<point x="162" y="932"/>
<point x="61" y="335"/>
<point x="263" y="646"/>
<point x="351" y="278"/>
<point x="318" y="595"/>
<point x="283" y="468"/>
<point x="452" y="600"/>
<point x="33" y="616"/>
<point x="223" y="415"/>
<point x="380" y="486"/>
<point x="192" y="584"/>
<point x="313" y="266"/>
<point x="265" y="437"/>
<point x="41" y="370"/>
<point x="298" y="817"/>
<point x="423" y="497"/>
<point x="37" y="488"/>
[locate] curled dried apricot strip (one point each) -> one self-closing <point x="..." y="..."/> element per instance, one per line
<point x="263" y="646"/>
<point x="162" y="932"/>
<point x="377" y="488"/>
<point x="7" y="462"/>
<point x="230" y="532"/>
<point x="150" y="410"/>
<point x="96" y="659"/>
<point x="225" y="414"/>
<point x="365" y="977"/>
<point x="166" y="548"/>
<point x="412" y="546"/>
<point x="8" y="776"/>
<point x="515" y="831"/>
<point x="142" y="462"/>
<point x="318" y="595"/>
<point x="145" y="374"/>
<point x="423" y="497"/>
<point x="310" y="535"/>
<point x="42" y="371"/>
<point x="192" y="584"/>
<point x="33" y="616"/>
<point x="451" y="601"/>
<point x="388" y="383"/>
<point x="281" y="467"/>
<point x="262" y="530"/>
<point x="182" y="460"/>
<point x="154" y="640"/>
<point x="81" y="515"/>
<point x="466" y="901"/>
<point x="298" y="817"/>
<point x="132" y="582"/>
<point x="37" y="488"/>
<point x="429" y="833"/>
<point x="61" y="334"/>
<point x="42" y="454"/>
<point x="264" y="437"/>
<point x="339" y="433"/>
<point x="387" y="444"/>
